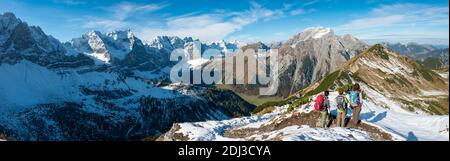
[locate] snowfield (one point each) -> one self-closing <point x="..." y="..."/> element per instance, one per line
<point x="25" y="85"/>
<point x="433" y="93"/>
<point x="399" y="123"/>
<point x="305" y="133"/>
<point x="442" y="74"/>
<point x="214" y="130"/>
<point x="321" y="32"/>
<point x="409" y="125"/>
<point x="29" y="84"/>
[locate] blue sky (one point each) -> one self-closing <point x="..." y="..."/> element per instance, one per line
<point x="423" y="21"/>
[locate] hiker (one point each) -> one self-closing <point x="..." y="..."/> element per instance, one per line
<point x="322" y="104"/>
<point x="355" y="104"/>
<point x="341" y="102"/>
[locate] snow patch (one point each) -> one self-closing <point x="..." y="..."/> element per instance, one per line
<point x="306" y="133"/>
<point x="321" y="32"/>
<point x="316" y="32"/>
<point x="213" y="130"/>
<point x="442" y="74"/>
<point x="391" y="67"/>
<point x="401" y="122"/>
<point x="434" y="93"/>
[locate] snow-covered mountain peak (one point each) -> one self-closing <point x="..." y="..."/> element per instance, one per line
<point x="169" y="43"/>
<point x="349" y="37"/>
<point x="239" y="43"/>
<point x="8" y="23"/>
<point x="316" y="32"/>
<point x="312" y="34"/>
<point x="164" y="42"/>
<point x="190" y="39"/>
<point x="116" y="44"/>
<point x="18" y="37"/>
<point x="93" y="33"/>
<point x="121" y="35"/>
<point x="8" y="15"/>
<point x="8" y="19"/>
<point x="95" y="39"/>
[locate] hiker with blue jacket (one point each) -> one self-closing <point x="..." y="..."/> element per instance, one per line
<point x="355" y="104"/>
<point x="341" y="102"/>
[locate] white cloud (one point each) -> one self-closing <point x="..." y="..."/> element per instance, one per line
<point x="374" y="22"/>
<point x="302" y="8"/>
<point x="410" y="9"/>
<point x="208" y="27"/>
<point x="405" y="21"/>
<point x="246" y="38"/>
<point x="301" y="11"/>
<point x="125" y="9"/>
<point x="211" y="27"/>
<point x="310" y="3"/>
<point x="400" y="14"/>
<point x="297" y="11"/>
<point x="104" y="24"/>
<point x="287" y="6"/>
<point x="118" y="14"/>
<point x="70" y="2"/>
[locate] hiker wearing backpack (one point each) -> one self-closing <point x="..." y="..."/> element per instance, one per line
<point x="355" y="104"/>
<point x="322" y="104"/>
<point x="341" y="102"/>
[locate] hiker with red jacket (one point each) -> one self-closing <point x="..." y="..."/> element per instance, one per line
<point x="355" y="104"/>
<point x="322" y="104"/>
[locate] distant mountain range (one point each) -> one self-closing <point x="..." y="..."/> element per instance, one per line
<point x="98" y="87"/>
<point x="421" y="52"/>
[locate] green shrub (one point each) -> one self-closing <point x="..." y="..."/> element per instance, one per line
<point x="431" y="63"/>
<point x="273" y="103"/>
<point x="426" y="73"/>
<point x="363" y="95"/>
<point x="378" y="50"/>
<point x="325" y="84"/>
<point x="298" y="103"/>
<point x="269" y="104"/>
<point x="290" y="108"/>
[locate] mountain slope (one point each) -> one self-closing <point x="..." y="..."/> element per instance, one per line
<point x="421" y="51"/>
<point x="278" y="125"/>
<point x="313" y="54"/>
<point x="308" y="57"/>
<point x="401" y="101"/>
<point x="18" y="41"/>
<point x="401" y="95"/>
<point x="397" y="77"/>
<point x="41" y="104"/>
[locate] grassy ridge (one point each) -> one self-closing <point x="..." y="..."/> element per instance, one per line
<point x="252" y="99"/>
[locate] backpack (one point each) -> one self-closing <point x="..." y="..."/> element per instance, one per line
<point x="354" y="98"/>
<point x="340" y="101"/>
<point x="318" y="103"/>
